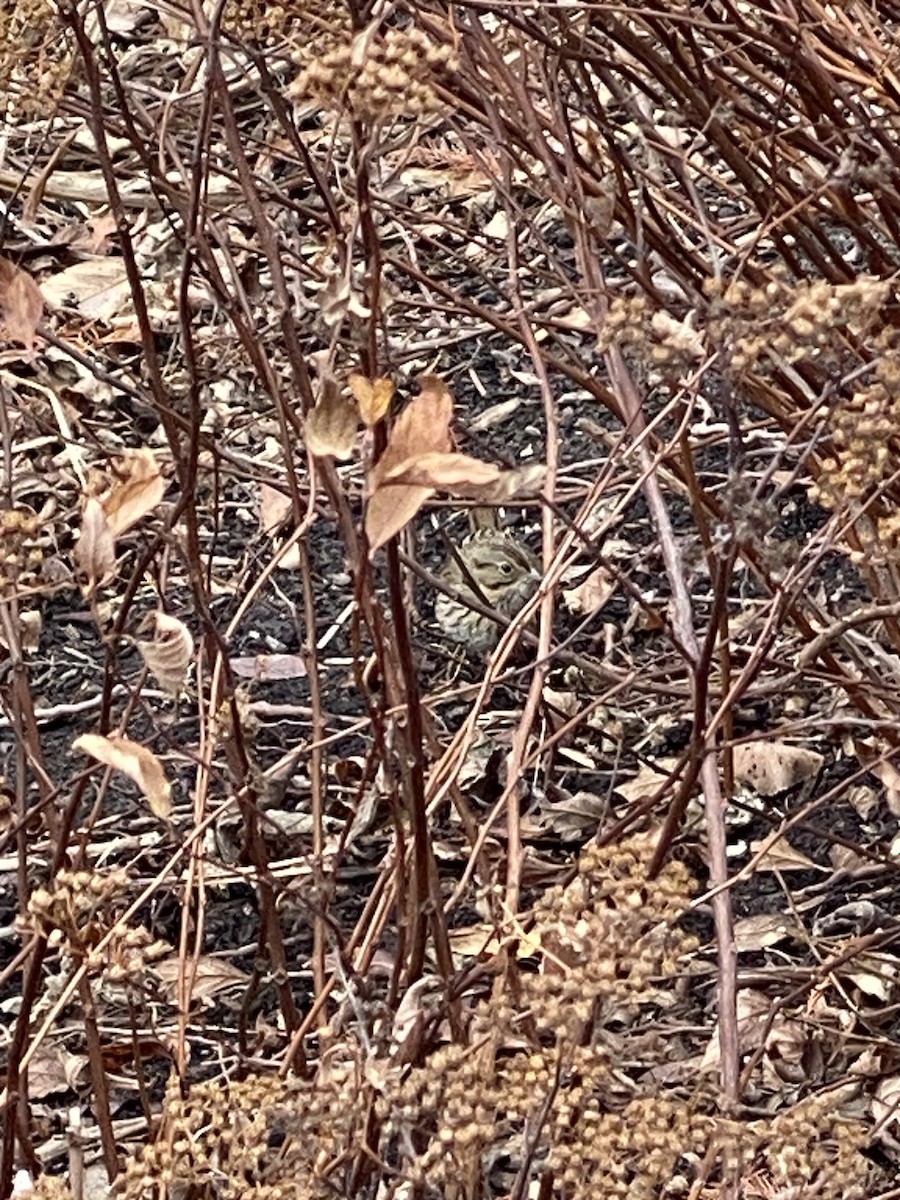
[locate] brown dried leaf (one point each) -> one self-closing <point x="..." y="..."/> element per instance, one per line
<point x="422" y="428"/>
<point x="21" y="304"/>
<point x="137" y="490"/>
<point x="875" y="975"/>
<point x="373" y="397"/>
<point x="389" y="509"/>
<point x="883" y="770"/>
<point x="601" y="208"/>
<point x="764" y="930"/>
<point x="211" y="975"/>
<point x="134" y="760"/>
<point x="99" y="287"/>
<point x="47" y="1074"/>
<point x="591" y="594"/>
<point x="168" y="654"/>
<point x="31" y="625"/>
<point x="331" y="426"/>
<point x="457" y="473"/>
<point x="274" y="507"/>
<point x="523" y="483"/>
<point x="647" y="782"/>
<point x="781" y="856"/>
<point x="886" y="1108"/>
<point x="269" y="666"/>
<point x="770" y="767"/>
<point x="95" y="550"/>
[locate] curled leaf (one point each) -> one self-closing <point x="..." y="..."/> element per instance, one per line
<point x="268" y="666"/>
<point x="95" y="550"/>
<point x="134" y="760"/>
<point x="591" y="594"/>
<point x="169" y="652"/>
<point x="331" y="426"/>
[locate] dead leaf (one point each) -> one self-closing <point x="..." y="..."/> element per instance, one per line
<point x="331" y="427"/>
<point x="211" y="975"/>
<point x="781" y="856"/>
<point x="274" y="507"/>
<point x="95" y="550"/>
<point x="875" y="975"/>
<point x="101" y="229"/>
<point x="269" y="666"/>
<point x="457" y="473"/>
<point x="883" y="770"/>
<point x="601" y="207"/>
<point x="522" y="483"/>
<point x="373" y="397"/>
<point x="646" y="783"/>
<point x="862" y="799"/>
<point x="421" y="428"/>
<point x="579" y="757"/>
<point x="770" y="767"/>
<point x="288" y="823"/>
<point x="410" y="1021"/>
<point x="886" y="1107"/>
<point x="477" y="941"/>
<point x="21" y="304"/>
<point x="99" y="288"/>
<point x="50" y="1071"/>
<point x="498" y="226"/>
<point x="134" y="760"/>
<point x="136" y="491"/>
<point x="764" y="930"/>
<point x="575" y="816"/>
<point x="564" y="702"/>
<point x="784" y="1036"/>
<point x="31" y="625"/>
<point x="591" y="594"/>
<point x="168" y="654"/>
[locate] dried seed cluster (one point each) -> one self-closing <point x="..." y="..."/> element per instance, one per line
<point x="261" y="1138"/>
<point x="628" y="1155"/>
<point x="657" y="338"/>
<point x="128" y="953"/>
<point x="373" y="78"/>
<point x="861" y="431"/>
<point x="319" y="23"/>
<point x="814" y="1151"/>
<point x="78" y="912"/>
<point x="788" y="320"/>
<point x="531" y="1081"/>
<point x="604" y="937"/>
<point x="36" y="57"/>
<point x="77" y="903"/>
<point x="21" y="554"/>
<point x="49" y="1187"/>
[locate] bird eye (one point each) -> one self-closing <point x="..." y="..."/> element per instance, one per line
<point x="505" y="568"/>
